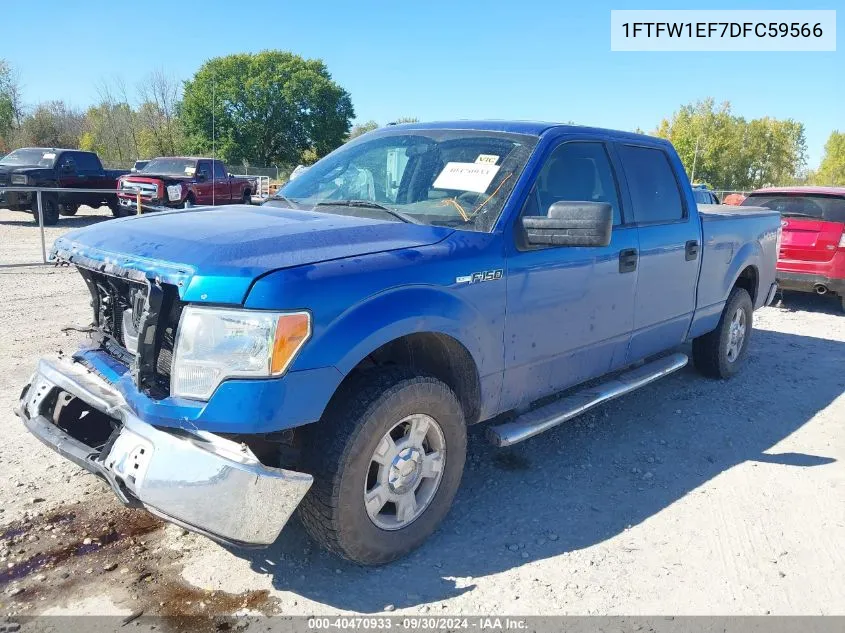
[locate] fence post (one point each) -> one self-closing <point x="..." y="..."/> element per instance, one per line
<point x="41" y="225"/>
<point x="138" y="201"/>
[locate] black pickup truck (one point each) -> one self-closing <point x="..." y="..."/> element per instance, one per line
<point x="68" y="169"/>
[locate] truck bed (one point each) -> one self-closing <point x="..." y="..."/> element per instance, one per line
<point x="733" y="238"/>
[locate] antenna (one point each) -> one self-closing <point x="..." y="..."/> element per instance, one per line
<point x="213" y="145"/>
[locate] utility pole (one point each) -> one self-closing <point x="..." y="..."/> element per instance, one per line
<point x="694" y="159"/>
<point x="213" y="146"/>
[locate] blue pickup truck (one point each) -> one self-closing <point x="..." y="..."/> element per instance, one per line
<point x="326" y="351"/>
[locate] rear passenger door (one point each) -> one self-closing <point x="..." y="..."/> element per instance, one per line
<point x="669" y="253"/>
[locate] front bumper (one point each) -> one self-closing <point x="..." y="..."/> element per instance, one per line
<point x="198" y="480"/>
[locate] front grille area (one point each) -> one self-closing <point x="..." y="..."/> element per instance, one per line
<point x="148" y="189"/>
<point x="123" y="310"/>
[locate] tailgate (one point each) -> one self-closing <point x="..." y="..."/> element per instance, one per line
<point x="809" y="240"/>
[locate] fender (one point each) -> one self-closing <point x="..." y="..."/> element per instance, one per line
<point x="395" y="313"/>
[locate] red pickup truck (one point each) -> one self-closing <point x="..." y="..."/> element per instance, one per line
<point x="183" y="181"/>
<point x="812" y="252"/>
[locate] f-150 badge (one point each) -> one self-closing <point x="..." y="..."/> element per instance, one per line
<point x="487" y="275"/>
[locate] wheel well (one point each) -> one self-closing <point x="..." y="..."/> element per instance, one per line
<point x="435" y="354"/>
<point x="748" y="279"/>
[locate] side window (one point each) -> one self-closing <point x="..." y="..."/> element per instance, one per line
<point x="204" y="168"/>
<point x="576" y="171"/>
<point x="219" y="171"/>
<point x="86" y="163"/>
<point x="67" y="165"/>
<point x="654" y="189"/>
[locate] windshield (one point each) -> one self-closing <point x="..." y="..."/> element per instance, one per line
<point x="30" y="158"/>
<point x="819" y="206"/>
<point x="456" y="178"/>
<point x="178" y="167"/>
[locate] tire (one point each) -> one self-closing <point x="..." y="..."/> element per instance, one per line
<point x="247" y="198"/>
<point x="711" y="352"/>
<point x="68" y="209"/>
<point x="842" y="302"/>
<point x="339" y="453"/>
<point x="49" y="208"/>
<point x="119" y="211"/>
<point x="188" y="203"/>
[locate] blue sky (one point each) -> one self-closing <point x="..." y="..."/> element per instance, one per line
<point x="526" y="59"/>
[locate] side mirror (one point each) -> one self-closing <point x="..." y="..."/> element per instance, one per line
<point x="67" y="169"/>
<point x="570" y="224"/>
<point x="201" y="177"/>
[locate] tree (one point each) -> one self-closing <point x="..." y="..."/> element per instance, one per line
<point x="362" y="128"/>
<point x="268" y="108"/>
<point x="832" y="168"/>
<point x="732" y="153"/>
<point x="51" y="124"/>
<point x="161" y="132"/>
<point x="11" y="107"/>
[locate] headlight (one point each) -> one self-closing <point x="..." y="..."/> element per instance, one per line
<point x="19" y="179"/>
<point x="213" y="344"/>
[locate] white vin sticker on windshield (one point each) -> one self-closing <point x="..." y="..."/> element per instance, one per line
<point x="466" y="177"/>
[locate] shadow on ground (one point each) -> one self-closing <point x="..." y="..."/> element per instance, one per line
<point x="809" y="302"/>
<point x="22" y="218"/>
<point x="585" y="482"/>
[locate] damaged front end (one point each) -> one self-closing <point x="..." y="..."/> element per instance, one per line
<point x="197" y="479"/>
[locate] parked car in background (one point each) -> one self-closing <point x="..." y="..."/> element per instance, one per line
<point x="139" y="165"/>
<point x="67" y="169"/>
<point x="419" y="279"/>
<point x="704" y="195"/>
<point x="812" y="251"/>
<point x="180" y="181"/>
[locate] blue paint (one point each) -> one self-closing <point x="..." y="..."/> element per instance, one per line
<point x="558" y="317"/>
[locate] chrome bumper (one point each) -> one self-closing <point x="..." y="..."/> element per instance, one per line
<point x="201" y="481"/>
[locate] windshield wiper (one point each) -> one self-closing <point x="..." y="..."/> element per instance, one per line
<point x="368" y="204"/>
<point x="290" y="202"/>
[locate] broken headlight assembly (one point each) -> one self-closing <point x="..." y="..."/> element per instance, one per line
<point x="213" y="344"/>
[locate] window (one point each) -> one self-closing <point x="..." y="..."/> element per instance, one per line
<point x="651" y="181"/>
<point x="204" y="169"/>
<point x="455" y="178"/>
<point x="577" y="171"/>
<point x="86" y="163"/>
<point x="219" y="171"/>
<point x="67" y="164"/>
<point x="829" y="208"/>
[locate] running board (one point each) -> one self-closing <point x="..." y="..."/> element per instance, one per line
<point x="546" y="417"/>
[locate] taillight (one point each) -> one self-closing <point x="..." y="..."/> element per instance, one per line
<point x="842" y="239"/>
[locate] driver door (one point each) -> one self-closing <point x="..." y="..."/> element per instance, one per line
<point x="570" y="309"/>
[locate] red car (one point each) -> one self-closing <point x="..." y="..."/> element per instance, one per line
<point x="812" y="250"/>
<point x="181" y="181"/>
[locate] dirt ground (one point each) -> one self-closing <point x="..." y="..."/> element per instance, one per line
<point x="691" y="496"/>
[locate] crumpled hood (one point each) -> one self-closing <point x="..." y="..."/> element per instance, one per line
<point x="214" y="254"/>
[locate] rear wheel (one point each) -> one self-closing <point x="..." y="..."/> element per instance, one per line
<point x="247" y="197"/>
<point x="68" y="209"/>
<point x="49" y="208"/>
<point x="719" y="354"/>
<point x="842" y="301"/>
<point x="387" y="460"/>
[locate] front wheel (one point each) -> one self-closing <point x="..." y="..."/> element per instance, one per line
<point x="719" y="354"/>
<point x="49" y="208"/>
<point x="68" y="209"/>
<point x="387" y="460"/>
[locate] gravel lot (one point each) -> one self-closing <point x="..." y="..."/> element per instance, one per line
<point x="690" y="496"/>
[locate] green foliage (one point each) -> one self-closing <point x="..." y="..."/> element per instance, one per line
<point x="51" y="124"/>
<point x="269" y="108"/>
<point x="732" y="153"/>
<point x="362" y="128"/>
<point x="831" y="172"/>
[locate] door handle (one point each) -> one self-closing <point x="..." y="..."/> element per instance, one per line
<point x="628" y="260"/>
<point x="692" y="250"/>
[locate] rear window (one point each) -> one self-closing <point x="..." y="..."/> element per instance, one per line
<point x="654" y="189"/>
<point x="801" y="205"/>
